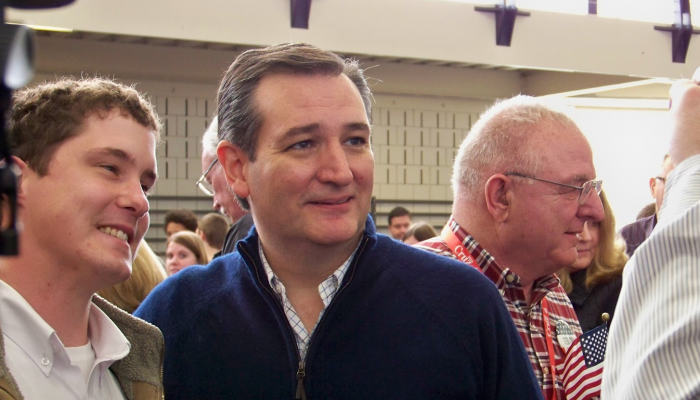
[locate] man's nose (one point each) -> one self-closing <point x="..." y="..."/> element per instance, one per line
<point x="134" y="199"/>
<point x="334" y="166"/>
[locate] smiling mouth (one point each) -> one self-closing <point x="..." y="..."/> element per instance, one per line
<point x="115" y="232"/>
<point x="332" y="203"/>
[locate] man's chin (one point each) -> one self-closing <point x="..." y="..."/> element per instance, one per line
<point x="338" y="237"/>
<point x="563" y="260"/>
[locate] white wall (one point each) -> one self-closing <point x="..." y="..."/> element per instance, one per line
<point x="628" y="147"/>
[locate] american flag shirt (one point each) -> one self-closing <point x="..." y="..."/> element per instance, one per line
<point x="528" y="320"/>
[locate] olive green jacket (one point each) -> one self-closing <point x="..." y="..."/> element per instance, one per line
<point x="140" y="373"/>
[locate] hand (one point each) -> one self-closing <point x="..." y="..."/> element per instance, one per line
<point x="685" y="116"/>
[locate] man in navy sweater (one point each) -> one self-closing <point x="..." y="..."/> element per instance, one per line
<point x="315" y="304"/>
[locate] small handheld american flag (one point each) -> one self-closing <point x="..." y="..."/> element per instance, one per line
<point x="582" y="368"/>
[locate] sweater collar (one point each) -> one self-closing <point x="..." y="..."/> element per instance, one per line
<point x="248" y="248"/>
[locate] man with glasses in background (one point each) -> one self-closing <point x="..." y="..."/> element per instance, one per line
<point x="524" y="186"/>
<point x="638" y="231"/>
<point x="213" y="183"/>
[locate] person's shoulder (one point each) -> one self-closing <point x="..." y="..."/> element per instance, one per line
<point x="243" y="223"/>
<point x="632" y="226"/>
<point x="131" y="326"/>
<point x="191" y="288"/>
<point x="641" y="223"/>
<point x="213" y="274"/>
<point x="435" y="245"/>
<point x="419" y="267"/>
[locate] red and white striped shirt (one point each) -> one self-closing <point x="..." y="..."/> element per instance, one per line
<point x="528" y="320"/>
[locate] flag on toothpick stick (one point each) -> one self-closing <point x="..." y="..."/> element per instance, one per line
<point x="582" y="368"/>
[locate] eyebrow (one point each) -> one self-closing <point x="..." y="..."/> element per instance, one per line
<point x="580" y="179"/>
<point x="300" y="130"/>
<point x="357" y="126"/>
<point x="124" y="156"/>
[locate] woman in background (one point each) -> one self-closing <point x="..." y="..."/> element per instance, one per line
<point x="184" y="249"/>
<point x="594" y="281"/>
<point x="418" y="232"/>
<point x="146" y="273"/>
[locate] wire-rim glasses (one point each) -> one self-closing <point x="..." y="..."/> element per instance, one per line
<point x="203" y="184"/>
<point x="585" y="190"/>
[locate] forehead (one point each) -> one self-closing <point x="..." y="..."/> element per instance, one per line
<point x="174" y="246"/>
<point x="115" y="135"/>
<point x="297" y="99"/>
<point x="401" y="219"/>
<point x="565" y="152"/>
<point x="113" y="122"/>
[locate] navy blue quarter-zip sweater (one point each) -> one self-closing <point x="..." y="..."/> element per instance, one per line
<point x="405" y="324"/>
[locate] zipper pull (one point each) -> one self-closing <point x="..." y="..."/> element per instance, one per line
<point x="301" y="393"/>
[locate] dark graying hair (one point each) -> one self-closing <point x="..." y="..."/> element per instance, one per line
<point x="239" y="119"/>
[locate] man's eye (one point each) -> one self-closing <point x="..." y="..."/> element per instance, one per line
<point x="357" y="141"/>
<point x="301" y="145"/>
<point x="567" y="190"/>
<point x="110" y="168"/>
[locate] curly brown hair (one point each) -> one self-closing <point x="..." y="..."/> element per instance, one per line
<point x="45" y="115"/>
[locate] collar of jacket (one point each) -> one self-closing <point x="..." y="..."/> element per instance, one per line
<point x="140" y="373"/>
<point x="248" y="249"/>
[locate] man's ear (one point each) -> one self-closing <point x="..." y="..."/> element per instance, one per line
<point x="24" y="171"/>
<point x="498" y="192"/>
<point x="235" y="164"/>
<point x="652" y="186"/>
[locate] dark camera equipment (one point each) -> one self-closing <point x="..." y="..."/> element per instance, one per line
<point x="16" y="70"/>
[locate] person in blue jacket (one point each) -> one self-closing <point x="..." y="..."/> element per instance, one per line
<point x="315" y="304"/>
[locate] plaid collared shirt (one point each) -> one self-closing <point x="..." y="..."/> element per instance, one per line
<point x="327" y="289"/>
<point x="528" y="321"/>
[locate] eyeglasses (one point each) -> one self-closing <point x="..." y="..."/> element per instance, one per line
<point x="203" y="184"/>
<point x="585" y="188"/>
<point x="661" y="178"/>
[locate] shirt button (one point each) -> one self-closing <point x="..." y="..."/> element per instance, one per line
<point x="546" y="370"/>
<point x="45" y="361"/>
<point x="510" y="278"/>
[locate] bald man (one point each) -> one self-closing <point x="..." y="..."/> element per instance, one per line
<point x="524" y="186"/>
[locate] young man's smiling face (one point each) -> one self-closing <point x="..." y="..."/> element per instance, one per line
<point x="90" y="211"/>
